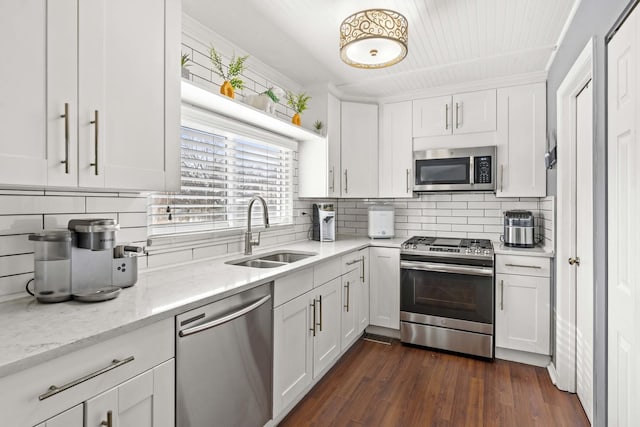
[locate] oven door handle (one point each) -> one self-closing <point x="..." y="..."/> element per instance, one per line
<point x="446" y="268"/>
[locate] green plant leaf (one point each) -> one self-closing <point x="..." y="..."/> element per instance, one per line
<point x="297" y="102"/>
<point x="216" y="60"/>
<point x="184" y="60"/>
<point x="236" y="83"/>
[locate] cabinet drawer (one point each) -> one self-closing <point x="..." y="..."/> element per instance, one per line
<point x="323" y="273"/>
<point x="21" y="405"/>
<point x="295" y="284"/>
<point x="523" y="265"/>
<point x="351" y="262"/>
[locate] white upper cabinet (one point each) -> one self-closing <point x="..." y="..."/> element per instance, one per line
<point x="396" y="151"/>
<point x="471" y="112"/>
<point x="23" y="157"/>
<point x="319" y="162"/>
<point x="110" y="115"/>
<point x="359" y="149"/>
<point x="522" y="125"/>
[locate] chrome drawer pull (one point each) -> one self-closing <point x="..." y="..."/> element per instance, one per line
<point x="355" y="261"/>
<point x="53" y="390"/>
<point x="313" y="307"/>
<point x="524" y="266"/>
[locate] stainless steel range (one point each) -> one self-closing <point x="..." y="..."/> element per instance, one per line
<point x="446" y="294"/>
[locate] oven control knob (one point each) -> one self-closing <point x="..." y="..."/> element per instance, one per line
<point x="487" y="251"/>
<point x="477" y="251"/>
<point x="414" y="246"/>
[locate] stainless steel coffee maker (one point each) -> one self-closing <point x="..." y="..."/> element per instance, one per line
<point x="92" y="243"/>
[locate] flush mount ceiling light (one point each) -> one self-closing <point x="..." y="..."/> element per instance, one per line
<point x="373" y="38"/>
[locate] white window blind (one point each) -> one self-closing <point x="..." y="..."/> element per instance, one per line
<point x="220" y="172"/>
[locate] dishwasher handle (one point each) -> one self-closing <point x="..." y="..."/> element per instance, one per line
<point x="224" y="319"/>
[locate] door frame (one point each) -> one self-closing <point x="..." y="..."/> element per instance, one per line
<point x="564" y="370"/>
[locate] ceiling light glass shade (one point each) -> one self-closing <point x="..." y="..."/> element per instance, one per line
<point x="374" y="38"/>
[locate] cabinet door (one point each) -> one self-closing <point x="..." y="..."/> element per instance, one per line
<point x="523" y="313"/>
<point x="521" y="141"/>
<point x="122" y="93"/>
<point x="396" y="151"/>
<point x="350" y="306"/>
<point x="62" y="93"/>
<point x="363" y="294"/>
<point x="23" y="148"/>
<point x="70" y="418"/>
<point x="333" y="140"/>
<point x="326" y="345"/>
<point x="359" y="149"/>
<point x="474" y="112"/>
<point x="145" y="400"/>
<point x="385" y="287"/>
<point x="432" y="116"/>
<point x="292" y="350"/>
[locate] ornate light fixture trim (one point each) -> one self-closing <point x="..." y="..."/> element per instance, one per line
<point x="374" y="38"/>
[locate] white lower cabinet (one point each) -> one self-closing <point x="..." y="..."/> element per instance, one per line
<point x="143" y="401"/>
<point x="326" y="343"/>
<point x="384" y="289"/>
<point x="70" y="418"/>
<point x="523" y="305"/>
<point x="350" y="305"/>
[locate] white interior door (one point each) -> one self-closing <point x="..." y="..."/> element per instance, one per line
<point x="623" y="227"/>
<point x="584" y="249"/>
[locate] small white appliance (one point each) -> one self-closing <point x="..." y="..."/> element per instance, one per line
<point x="324" y="222"/>
<point x="381" y="222"/>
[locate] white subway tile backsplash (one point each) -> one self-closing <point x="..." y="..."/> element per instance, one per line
<point x="11" y="286"/>
<point x="452" y="205"/>
<point x="485" y="205"/>
<point x="16" y="244"/>
<point x="467" y="197"/>
<point x="467" y="228"/>
<point x="132" y="235"/>
<point x="18" y="205"/>
<point x="62" y="220"/>
<point x="484" y="220"/>
<point x="114" y="204"/>
<point x="136" y="219"/>
<point x="451" y="220"/>
<point x="467" y="212"/>
<point x="18" y="224"/>
<point x="16" y="264"/>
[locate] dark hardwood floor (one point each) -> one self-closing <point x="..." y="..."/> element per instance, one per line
<point x="396" y="385"/>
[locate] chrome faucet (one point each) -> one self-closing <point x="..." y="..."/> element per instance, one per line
<point x="249" y="243"/>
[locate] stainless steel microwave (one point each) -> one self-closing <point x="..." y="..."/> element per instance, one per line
<point x="455" y="169"/>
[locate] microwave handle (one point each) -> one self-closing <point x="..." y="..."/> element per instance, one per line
<point x="472" y="172"/>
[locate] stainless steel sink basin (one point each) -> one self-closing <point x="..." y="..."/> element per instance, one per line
<point x="287" y="257"/>
<point x="271" y="259"/>
<point x="257" y="263"/>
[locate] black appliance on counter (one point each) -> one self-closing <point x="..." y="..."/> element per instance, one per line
<point x="447" y="294"/>
<point x="323" y="220"/>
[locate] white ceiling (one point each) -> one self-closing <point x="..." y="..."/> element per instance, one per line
<point x="450" y="41"/>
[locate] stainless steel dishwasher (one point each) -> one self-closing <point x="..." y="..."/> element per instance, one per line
<point x="224" y="355"/>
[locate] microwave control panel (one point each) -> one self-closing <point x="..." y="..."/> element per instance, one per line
<point x="482" y="170"/>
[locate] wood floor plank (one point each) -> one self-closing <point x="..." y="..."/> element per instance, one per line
<point x="398" y="385"/>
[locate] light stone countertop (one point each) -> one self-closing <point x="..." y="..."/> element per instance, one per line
<point x="538" y="251"/>
<point x="33" y="333"/>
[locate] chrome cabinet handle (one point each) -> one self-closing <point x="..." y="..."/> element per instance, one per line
<point x="574" y="261"/>
<point x="96" y="133"/>
<point x="446" y="116"/>
<point x="501" y="295"/>
<point x="346" y="181"/>
<point x="109" y="422"/>
<point x="333" y="182"/>
<point x="320" y="304"/>
<point x="224" y="319"/>
<point x="501" y="176"/>
<point x="65" y="116"/>
<point x="457" y="114"/>
<point x="347" y="288"/>
<point x="53" y="390"/>
<point x="355" y="261"/>
<point x="537" y="267"/>
<point x="313" y="325"/>
<point x="408" y="176"/>
<point x="362" y="276"/>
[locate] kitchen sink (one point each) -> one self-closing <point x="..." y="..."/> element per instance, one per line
<point x="272" y="259"/>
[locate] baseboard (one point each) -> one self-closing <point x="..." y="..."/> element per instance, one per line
<point x="553" y="374"/>
<point x="534" y="359"/>
<point x="385" y="332"/>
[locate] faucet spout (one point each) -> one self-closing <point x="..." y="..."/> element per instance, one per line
<point x="248" y="241"/>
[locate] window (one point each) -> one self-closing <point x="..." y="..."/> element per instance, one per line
<point x="224" y="164"/>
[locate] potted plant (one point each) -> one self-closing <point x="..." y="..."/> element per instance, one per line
<point x="232" y="80"/>
<point x="185" y="63"/>
<point x="267" y="100"/>
<point x="318" y="125"/>
<point x="298" y="103"/>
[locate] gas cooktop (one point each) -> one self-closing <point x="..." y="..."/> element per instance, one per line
<point x="434" y="246"/>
